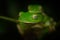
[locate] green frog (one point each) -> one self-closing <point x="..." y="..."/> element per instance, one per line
<point x="35" y="20"/>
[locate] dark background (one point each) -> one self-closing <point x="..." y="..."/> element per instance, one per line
<point x="11" y="8"/>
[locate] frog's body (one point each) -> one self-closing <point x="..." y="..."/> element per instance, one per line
<point x="27" y="17"/>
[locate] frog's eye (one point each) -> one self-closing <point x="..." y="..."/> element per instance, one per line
<point x="35" y="16"/>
